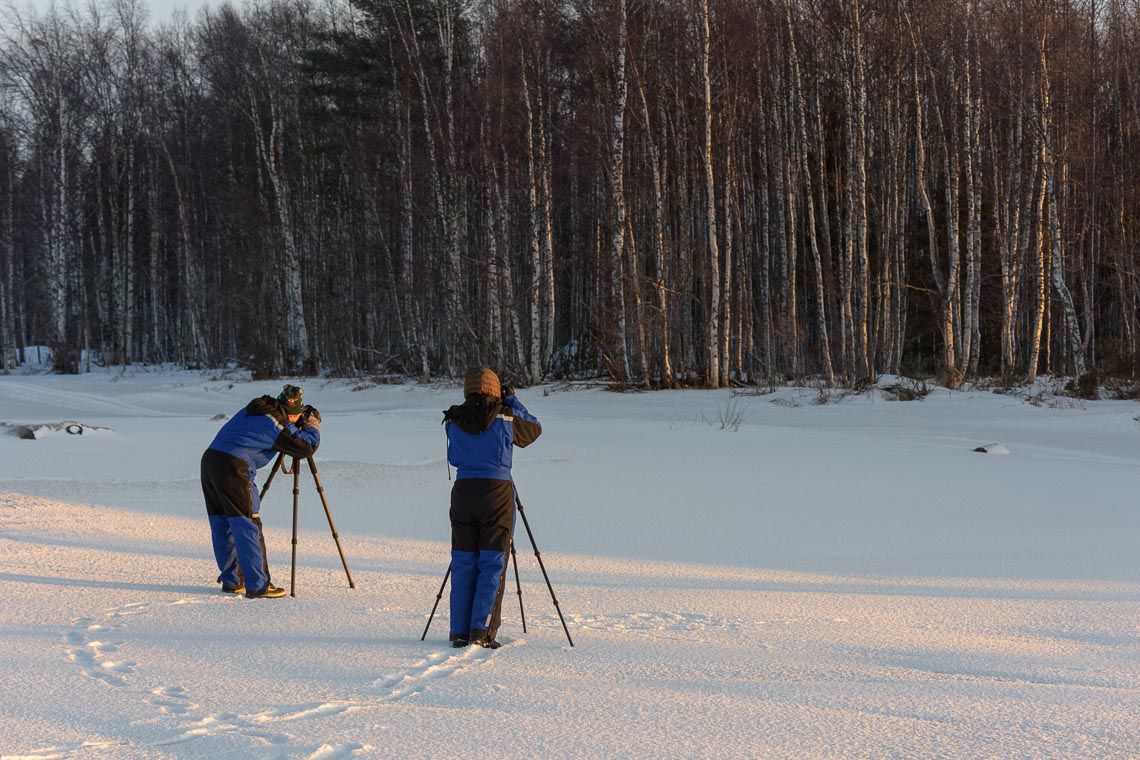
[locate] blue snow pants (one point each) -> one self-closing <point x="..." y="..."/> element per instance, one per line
<point x="233" y="506"/>
<point x="482" y="521"/>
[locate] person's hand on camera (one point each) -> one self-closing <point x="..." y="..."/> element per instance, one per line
<point x="310" y="417"/>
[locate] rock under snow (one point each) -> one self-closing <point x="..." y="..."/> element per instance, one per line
<point x="33" y="431"/>
<point x="992" y="448"/>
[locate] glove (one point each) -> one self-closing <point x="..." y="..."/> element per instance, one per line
<point x="310" y="418"/>
<point x="508" y="391"/>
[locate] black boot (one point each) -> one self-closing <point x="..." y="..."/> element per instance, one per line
<point x="484" y="639"/>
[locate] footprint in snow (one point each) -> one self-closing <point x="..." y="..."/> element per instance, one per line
<point x="171" y="700"/>
<point x="435" y="666"/>
<point x="255" y="725"/>
<point x="94" y="654"/>
<point x="91" y="645"/>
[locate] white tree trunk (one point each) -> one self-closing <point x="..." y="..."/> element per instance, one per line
<point x="190" y="271"/>
<point x="726" y="282"/>
<point x="58" y="244"/>
<point x="658" y="279"/>
<point x="1071" y="325"/>
<point x="617" y="200"/>
<point x="411" y="303"/>
<point x="270" y="149"/>
<point x="509" y="301"/>
<point x="1039" y="292"/>
<point x="813" y="238"/>
<point x="534" y="365"/>
<point x="7" y="257"/>
<point x="940" y="283"/>
<point x="492" y="273"/>
<point x="548" y="290"/>
<point x="712" y="374"/>
<point x="859" y="146"/>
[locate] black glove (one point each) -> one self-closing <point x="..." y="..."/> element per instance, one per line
<point x="310" y="414"/>
<point x="508" y="391"/>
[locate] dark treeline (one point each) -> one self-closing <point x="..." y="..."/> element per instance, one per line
<point x="658" y="191"/>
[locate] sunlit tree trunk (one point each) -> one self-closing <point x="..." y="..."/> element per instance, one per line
<point x="549" y="296"/>
<point x="712" y="253"/>
<point x="1040" y="295"/>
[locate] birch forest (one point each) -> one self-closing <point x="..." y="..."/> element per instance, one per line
<point x="658" y="192"/>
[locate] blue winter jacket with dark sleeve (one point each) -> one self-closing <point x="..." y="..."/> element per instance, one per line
<point x="481" y="437"/>
<point x="261" y="429"/>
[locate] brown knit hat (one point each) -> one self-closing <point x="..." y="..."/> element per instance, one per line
<point x="483" y="381"/>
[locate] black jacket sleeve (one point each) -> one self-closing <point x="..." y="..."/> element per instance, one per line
<point x="296" y="444"/>
<point x="525" y="432"/>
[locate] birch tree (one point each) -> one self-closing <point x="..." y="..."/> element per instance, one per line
<point x="1072" y="329"/>
<point x="809" y="195"/>
<point x="712" y="371"/>
<point x="7" y="246"/>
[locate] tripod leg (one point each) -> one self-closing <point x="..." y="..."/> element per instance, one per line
<point x="438" y="596"/>
<point x="518" y="586"/>
<point x="272" y="472"/>
<point x="328" y="514"/>
<point x="538" y="556"/>
<point x="296" y="493"/>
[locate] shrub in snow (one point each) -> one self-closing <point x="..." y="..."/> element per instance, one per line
<point x="1086" y="386"/>
<point x="732" y="413"/>
<point x="906" y="390"/>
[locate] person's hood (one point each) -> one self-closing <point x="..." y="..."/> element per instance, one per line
<point x="268" y="406"/>
<point x="475" y="414"/>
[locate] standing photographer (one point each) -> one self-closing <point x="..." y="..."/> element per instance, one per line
<point x="480" y="435"/>
<point x="246" y="443"/>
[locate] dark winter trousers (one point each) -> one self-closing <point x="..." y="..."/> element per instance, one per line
<point x="235" y="522"/>
<point x="482" y="520"/>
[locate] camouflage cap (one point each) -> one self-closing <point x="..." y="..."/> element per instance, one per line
<point x="290" y="398"/>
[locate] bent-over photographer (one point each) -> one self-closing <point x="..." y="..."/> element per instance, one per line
<point x="245" y="444"/>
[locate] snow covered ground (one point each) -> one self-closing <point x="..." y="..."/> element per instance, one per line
<point x="847" y="580"/>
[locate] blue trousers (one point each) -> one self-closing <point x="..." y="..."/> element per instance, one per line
<point x="482" y="521"/>
<point x="233" y="505"/>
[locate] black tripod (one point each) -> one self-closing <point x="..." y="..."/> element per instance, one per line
<point x="518" y="585"/>
<point x="295" y="471"/>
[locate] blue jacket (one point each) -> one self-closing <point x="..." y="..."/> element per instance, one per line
<point x="261" y="429"/>
<point x="482" y="432"/>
